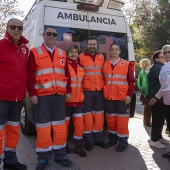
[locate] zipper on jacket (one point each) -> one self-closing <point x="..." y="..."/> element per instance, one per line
<point x="95" y="76"/>
<point x="19" y="71"/>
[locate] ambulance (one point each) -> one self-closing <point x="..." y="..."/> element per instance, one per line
<point x="74" y="21"/>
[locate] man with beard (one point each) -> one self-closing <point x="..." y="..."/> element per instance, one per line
<point x="92" y="62"/>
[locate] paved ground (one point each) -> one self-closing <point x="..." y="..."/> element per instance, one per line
<point x="138" y="156"/>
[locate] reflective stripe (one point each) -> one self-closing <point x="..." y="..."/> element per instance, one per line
<point x="108" y="76"/>
<point x="123" y="115"/>
<point x="87" y="113"/>
<point x="50" y="84"/>
<point x="60" y="51"/>
<point x="112" y="114"/>
<point x="44" y="86"/>
<point x="39" y="50"/>
<point x="13" y="123"/>
<point x="58" y="122"/>
<point x="89" y="74"/>
<point x="9" y="149"/>
<point x="76" y="85"/>
<point x="59" y="146"/>
<point x="92" y="73"/>
<point x="67" y="118"/>
<point x="117" y="82"/>
<point x="61" y="84"/>
<point x="120" y="135"/>
<point x="43" y="71"/>
<point x="44" y="149"/>
<point x="99" y="112"/>
<point x="94" y="131"/>
<point x="77" y="137"/>
<point x="113" y="132"/>
<point x="41" y="125"/>
<point x="87" y="132"/>
<point x="119" y="76"/>
<point x="98" y="73"/>
<point x="98" y="67"/>
<point x="77" y="114"/>
<point x="88" y="67"/>
<point x="2" y="127"/>
<point x="58" y="70"/>
<point x="75" y="78"/>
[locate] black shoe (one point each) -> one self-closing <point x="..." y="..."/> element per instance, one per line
<point x="120" y="148"/>
<point x="67" y="149"/>
<point x="111" y="143"/>
<point x="101" y="144"/>
<point x="41" y="164"/>
<point x="79" y="150"/>
<point x="17" y="166"/>
<point x="166" y="155"/>
<point x="64" y="162"/>
<point x="88" y="146"/>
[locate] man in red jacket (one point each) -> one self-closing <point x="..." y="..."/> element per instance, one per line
<point x="13" y="63"/>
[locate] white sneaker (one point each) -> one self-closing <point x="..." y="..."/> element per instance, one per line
<point x="156" y="144"/>
<point x="164" y="141"/>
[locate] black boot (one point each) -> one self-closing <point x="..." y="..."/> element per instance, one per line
<point x="79" y="150"/>
<point x="17" y="166"/>
<point x="166" y="155"/>
<point x="123" y="144"/>
<point x="113" y="138"/>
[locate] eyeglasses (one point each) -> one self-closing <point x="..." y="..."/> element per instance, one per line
<point x="13" y="27"/>
<point x="166" y="52"/>
<point x="51" y="33"/>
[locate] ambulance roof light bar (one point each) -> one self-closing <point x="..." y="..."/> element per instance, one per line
<point x="88" y="5"/>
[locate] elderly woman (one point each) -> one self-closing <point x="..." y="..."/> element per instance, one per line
<point x="158" y="108"/>
<point x="118" y="89"/>
<point x="164" y="91"/>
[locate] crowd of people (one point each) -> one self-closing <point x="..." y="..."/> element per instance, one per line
<point x="68" y="85"/>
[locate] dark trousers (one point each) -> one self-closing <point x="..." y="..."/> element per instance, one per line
<point x="158" y="118"/>
<point x="167" y="109"/>
<point x="147" y="114"/>
<point x="9" y="129"/>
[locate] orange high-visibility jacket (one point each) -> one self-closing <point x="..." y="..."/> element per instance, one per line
<point x="116" y="85"/>
<point x="77" y="94"/>
<point x="93" y="78"/>
<point x="49" y="76"/>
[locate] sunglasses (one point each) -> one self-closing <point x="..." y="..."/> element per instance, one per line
<point x="13" y="27"/>
<point x="51" y="33"/>
<point x="166" y="52"/>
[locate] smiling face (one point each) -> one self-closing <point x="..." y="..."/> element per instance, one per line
<point x="91" y="46"/>
<point x="13" y="29"/>
<point x="114" y="51"/>
<point x="50" y="37"/>
<point x="73" y="54"/>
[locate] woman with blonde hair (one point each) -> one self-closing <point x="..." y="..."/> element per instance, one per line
<point x="142" y="84"/>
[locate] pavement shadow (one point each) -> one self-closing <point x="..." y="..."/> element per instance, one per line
<point x="162" y="163"/>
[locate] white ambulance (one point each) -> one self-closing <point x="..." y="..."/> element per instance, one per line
<point x="74" y="21"/>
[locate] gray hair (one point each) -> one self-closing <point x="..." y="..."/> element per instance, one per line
<point x="14" y="19"/>
<point x="165" y="47"/>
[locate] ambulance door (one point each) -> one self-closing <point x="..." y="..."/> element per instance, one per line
<point x="71" y="26"/>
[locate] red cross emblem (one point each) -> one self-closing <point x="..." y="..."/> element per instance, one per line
<point x="122" y="63"/>
<point x="62" y="61"/>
